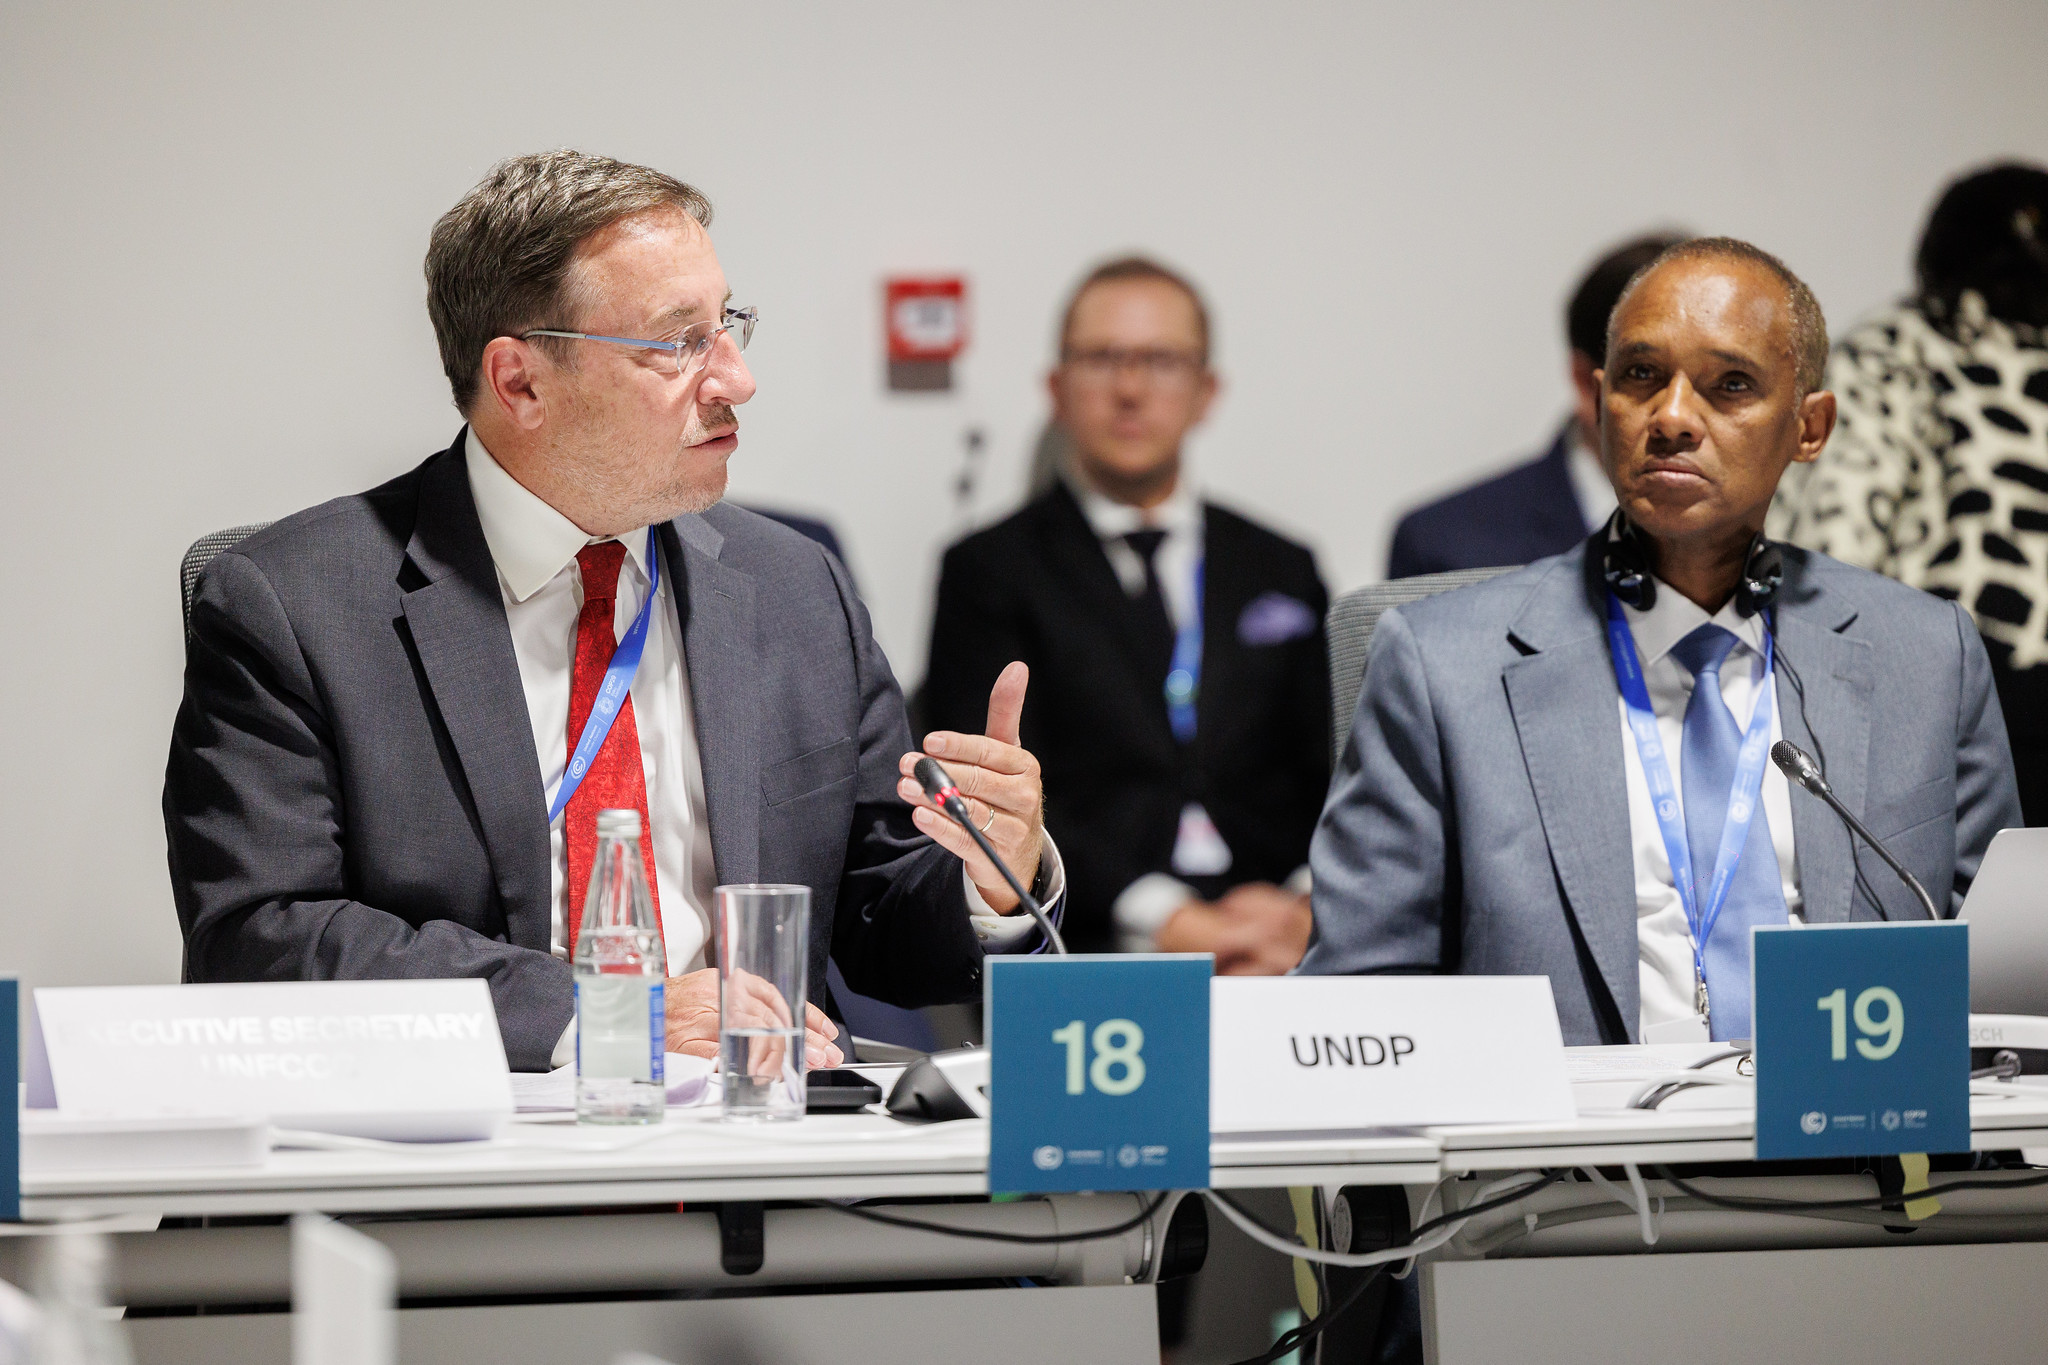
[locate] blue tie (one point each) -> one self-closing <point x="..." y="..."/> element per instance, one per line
<point x="1708" y="754"/>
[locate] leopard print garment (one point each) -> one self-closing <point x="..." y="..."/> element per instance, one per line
<point x="1937" y="474"/>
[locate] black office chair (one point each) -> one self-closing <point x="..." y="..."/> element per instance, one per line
<point x="201" y="554"/>
<point x="1352" y="620"/>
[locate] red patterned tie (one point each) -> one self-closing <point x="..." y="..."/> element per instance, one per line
<point x="615" y="780"/>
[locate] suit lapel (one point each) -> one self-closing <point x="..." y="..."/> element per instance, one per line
<point x="1073" y="553"/>
<point x="1832" y="723"/>
<point x="1564" y="700"/>
<point x="1221" y="590"/>
<point x="458" y="627"/>
<point x="723" y="658"/>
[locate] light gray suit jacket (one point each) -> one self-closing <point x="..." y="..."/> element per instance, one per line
<point x="353" y="792"/>
<point x="1478" y="821"/>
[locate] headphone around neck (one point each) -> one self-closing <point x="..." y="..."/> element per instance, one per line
<point x="1626" y="568"/>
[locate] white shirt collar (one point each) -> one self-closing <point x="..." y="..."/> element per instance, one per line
<point x="530" y="541"/>
<point x="1180" y="514"/>
<point x="1676" y="616"/>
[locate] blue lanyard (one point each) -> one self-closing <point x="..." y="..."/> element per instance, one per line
<point x="1184" y="679"/>
<point x="1742" y="797"/>
<point x="612" y="692"/>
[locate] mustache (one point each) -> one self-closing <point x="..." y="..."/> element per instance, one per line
<point x="719" y="419"/>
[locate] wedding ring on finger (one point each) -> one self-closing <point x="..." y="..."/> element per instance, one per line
<point x="990" y="821"/>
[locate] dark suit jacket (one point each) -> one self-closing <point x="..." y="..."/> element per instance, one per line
<point x="1526" y="514"/>
<point x="1479" y="819"/>
<point x="353" y="790"/>
<point x="1038" y="587"/>
<point x="810" y="528"/>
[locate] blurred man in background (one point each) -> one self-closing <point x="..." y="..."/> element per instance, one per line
<point x="1179" y="673"/>
<point x="1548" y="505"/>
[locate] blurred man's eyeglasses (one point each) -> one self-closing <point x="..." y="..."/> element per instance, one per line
<point x="1159" y="366"/>
<point x="690" y="350"/>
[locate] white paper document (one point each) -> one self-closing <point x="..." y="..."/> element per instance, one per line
<point x="552" y="1092"/>
<point x="1605" y="1079"/>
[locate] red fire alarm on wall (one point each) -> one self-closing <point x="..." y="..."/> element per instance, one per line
<point x="926" y="317"/>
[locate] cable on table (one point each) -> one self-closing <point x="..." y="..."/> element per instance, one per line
<point x="989" y="1234"/>
<point x="1765" y="1204"/>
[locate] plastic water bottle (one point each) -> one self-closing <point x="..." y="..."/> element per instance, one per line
<point x="620" y="968"/>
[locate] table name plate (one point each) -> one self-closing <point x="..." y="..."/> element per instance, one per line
<point x="1862" y="1039"/>
<point x="417" y="1060"/>
<point x="1098" y="1072"/>
<point x="1327" y="1053"/>
<point x="10" y="1133"/>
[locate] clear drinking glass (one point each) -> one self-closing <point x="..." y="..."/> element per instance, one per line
<point x="764" y="934"/>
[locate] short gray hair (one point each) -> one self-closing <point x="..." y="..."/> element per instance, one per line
<point x="1809" y="324"/>
<point x="498" y="262"/>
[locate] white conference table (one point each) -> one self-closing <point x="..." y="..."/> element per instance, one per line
<point x="611" y="1226"/>
<point x="1697" y="1126"/>
<point x="621" y="1225"/>
<point x="694" y="1158"/>
<point x="1580" y="1285"/>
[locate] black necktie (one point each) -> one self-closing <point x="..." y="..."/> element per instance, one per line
<point x="1155" y="638"/>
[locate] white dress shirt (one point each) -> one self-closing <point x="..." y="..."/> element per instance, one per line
<point x="1180" y="516"/>
<point x="534" y="547"/>
<point x="1663" y="942"/>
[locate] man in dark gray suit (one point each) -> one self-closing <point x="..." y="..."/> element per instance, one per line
<point x="1492" y="812"/>
<point x="382" y="693"/>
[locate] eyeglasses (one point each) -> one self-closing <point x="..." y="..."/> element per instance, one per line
<point x="1159" y="365"/>
<point x="690" y="350"/>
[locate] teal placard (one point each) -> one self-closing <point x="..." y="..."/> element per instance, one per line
<point x="10" y="1084"/>
<point x="1862" y="1039"/>
<point x="1099" y="1072"/>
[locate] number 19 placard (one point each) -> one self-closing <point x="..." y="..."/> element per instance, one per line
<point x="1862" y="1039"/>
<point x="1099" y="1072"/>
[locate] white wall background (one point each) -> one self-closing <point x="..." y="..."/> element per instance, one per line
<point x="212" y="218"/>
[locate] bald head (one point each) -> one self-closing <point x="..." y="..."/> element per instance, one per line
<point x="1805" y="327"/>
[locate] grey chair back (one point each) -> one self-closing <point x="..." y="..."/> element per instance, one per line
<point x="1352" y="619"/>
<point x="201" y="554"/>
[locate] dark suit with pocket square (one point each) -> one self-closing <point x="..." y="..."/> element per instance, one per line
<point x="1038" y="587"/>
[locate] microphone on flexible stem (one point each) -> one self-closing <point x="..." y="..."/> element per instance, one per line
<point x="1798" y="765"/>
<point x="939" y="787"/>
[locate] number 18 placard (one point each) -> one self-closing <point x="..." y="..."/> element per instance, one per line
<point x="1098" y="1072"/>
<point x="1862" y="1039"/>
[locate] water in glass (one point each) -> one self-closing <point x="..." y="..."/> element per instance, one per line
<point x="763" y="974"/>
<point x="620" y="967"/>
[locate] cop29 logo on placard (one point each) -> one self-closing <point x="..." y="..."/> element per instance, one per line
<point x="1047" y="1158"/>
<point x="1813" y="1123"/>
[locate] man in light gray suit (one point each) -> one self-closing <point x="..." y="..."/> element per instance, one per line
<point x="1492" y="811"/>
<point x="383" y="694"/>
